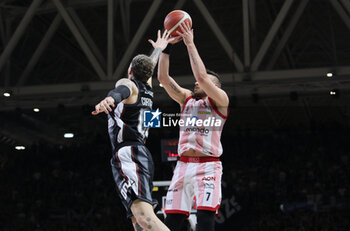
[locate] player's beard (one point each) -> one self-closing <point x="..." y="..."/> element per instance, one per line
<point x="199" y="95"/>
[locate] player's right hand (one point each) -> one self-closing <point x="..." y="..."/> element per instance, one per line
<point x="104" y="106"/>
<point x="186" y="33"/>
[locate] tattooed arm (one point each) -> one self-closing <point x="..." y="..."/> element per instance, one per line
<point x="199" y="71"/>
<point x="159" y="45"/>
<point x="173" y="89"/>
<point x="138" y="227"/>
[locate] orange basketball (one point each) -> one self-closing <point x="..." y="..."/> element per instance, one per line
<point x="174" y="19"/>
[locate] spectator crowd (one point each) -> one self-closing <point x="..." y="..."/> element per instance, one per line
<point x="292" y="180"/>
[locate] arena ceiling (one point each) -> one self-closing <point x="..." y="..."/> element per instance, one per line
<point x="62" y="56"/>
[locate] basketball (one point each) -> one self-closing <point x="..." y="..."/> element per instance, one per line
<point x="174" y="19"/>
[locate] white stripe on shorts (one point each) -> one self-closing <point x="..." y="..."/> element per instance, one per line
<point x="188" y="191"/>
<point x="209" y="171"/>
<point x="129" y="167"/>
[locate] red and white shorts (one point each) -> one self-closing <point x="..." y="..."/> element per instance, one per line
<point x="198" y="177"/>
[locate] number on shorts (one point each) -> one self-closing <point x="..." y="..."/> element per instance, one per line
<point x="208" y="193"/>
<point x="124" y="189"/>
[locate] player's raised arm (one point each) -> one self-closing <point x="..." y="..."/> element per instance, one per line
<point x="124" y="88"/>
<point x="159" y="45"/>
<point x="199" y="71"/>
<point x="173" y="89"/>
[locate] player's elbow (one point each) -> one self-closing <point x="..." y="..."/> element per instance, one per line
<point x="162" y="78"/>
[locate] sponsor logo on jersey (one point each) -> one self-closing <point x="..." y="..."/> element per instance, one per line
<point x="209" y="178"/>
<point x="209" y="185"/>
<point x="149" y="92"/>
<point x="169" y="202"/>
<point x="198" y="130"/>
<point x="146" y="102"/>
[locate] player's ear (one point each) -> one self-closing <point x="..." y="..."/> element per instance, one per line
<point x="130" y="70"/>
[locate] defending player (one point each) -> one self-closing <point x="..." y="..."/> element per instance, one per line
<point x="132" y="163"/>
<point x="198" y="172"/>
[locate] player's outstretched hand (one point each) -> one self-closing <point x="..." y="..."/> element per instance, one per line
<point x="104" y="106"/>
<point x="162" y="40"/>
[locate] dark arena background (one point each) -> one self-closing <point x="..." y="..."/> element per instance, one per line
<point x="285" y="65"/>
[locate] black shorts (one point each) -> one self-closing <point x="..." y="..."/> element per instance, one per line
<point x="133" y="170"/>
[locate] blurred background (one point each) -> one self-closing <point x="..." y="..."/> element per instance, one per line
<point x="283" y="63"/>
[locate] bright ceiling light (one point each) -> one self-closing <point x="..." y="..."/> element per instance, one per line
<point x="20" y="147"/>
<point x="68" y="135"/>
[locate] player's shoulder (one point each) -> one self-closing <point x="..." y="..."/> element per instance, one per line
<point x="126" y="82"/>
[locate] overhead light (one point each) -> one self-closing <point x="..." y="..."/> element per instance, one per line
<point x="329" y="74"/>
<point x="20" y="147"/>
<point x="68" y="135"/>
<point x="334" y="92"/>
<point x="36" y="109"/>
<point x="7" y="93"/>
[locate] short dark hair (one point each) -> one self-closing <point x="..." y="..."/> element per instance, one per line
<point x="142" y="67"/>
<point x="216" y="77"/>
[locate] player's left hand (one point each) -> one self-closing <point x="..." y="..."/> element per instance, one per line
<point x="175" y="40"/>
<point x="186" y="34"/>
<point x="104" y="106"/>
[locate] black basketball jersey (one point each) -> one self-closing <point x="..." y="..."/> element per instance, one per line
<point x="125" y="122"/>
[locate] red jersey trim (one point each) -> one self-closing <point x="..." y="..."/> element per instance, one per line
<point x="177" y="211"/>
<point x="183" y="106"/>
<point x="201" y="159"/>
<point x="208" y="208"/>
<point x="216" y="109"/>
